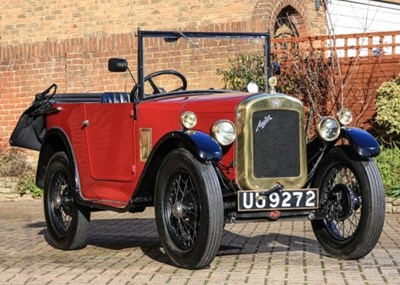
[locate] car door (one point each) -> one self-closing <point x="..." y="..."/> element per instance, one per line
<point x="110" y="141"/>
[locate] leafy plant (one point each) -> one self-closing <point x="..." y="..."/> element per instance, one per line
<point x="242" y="70"/>
<point x="395" y="193"/>
<point x="27" y="185"/>
<point x="389" y="165"/>
<point x="14" y="163"/>
<point x="388" y="111"/>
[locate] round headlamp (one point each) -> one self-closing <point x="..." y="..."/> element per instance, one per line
<point x="224" y="132"/>
<point x="188" y="119"/>
<point x="345" y="116"/>
<point x="252" y="87"/>
<point x="328" y="128"/>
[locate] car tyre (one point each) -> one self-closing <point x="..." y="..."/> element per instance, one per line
<point x="67" y="222"/>
<point x="189" y="210"/>
<point x="351" y="190"/>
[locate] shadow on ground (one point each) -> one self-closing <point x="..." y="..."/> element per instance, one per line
<point x="118" y="234"/>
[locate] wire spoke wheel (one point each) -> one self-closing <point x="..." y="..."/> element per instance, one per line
<point x="61" y="203"/>
<point x="182" y="210"/>
<point x="353" y="200"/>
<point x="67" y="222"/>
<point x="345" y="202"/>
<point x="189" y="210"/>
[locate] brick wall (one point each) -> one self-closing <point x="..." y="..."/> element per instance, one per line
<point x="69" y="42"/>
<point x="39" y="20"/>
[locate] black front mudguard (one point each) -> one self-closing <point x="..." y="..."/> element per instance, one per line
<point x="362" y="143"/>
<point x="202" y="145"/>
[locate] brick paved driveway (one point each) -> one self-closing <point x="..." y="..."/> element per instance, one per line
<point x="125" y="249"/>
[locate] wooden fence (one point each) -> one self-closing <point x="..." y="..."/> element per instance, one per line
<point x="359" y="63"/>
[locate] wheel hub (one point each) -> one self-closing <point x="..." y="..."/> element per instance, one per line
<point x="177" y="210"/>
<point x="57" y="201"/>
<point x="344" y="202"/>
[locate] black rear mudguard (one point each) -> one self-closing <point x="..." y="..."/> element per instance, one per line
<point x="31" y="127"/>
<point x="362" y="143"/>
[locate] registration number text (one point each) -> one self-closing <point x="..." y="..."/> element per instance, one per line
<point x="279" y="200"/>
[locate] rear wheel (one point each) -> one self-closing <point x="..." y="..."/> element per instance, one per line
<point x="353" y="197"/>
<point x="189" y="210"/>
<point x="67" y="222"/>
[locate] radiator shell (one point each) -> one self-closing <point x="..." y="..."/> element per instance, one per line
<point x="271" y="144"/>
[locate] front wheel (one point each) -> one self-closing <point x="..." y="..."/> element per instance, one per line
<point x="189" y="210"/>
<point x="67" y="222"/>
<point x="353" y="198"/>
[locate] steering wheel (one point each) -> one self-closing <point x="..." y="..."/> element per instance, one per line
<point x="156" y="89"/>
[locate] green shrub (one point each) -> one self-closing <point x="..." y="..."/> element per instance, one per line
<point x="27" y="185"/>
<point x="395" y="192"/>
<point x="242" y="70"/>
<point x="388" y="111"/>
<point x="389" y="165"/>
<point x="14" y="163"/>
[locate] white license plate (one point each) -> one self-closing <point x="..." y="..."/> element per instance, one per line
<point x="298" y="199"/>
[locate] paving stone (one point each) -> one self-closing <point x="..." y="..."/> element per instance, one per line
<point x="125" y="249"/>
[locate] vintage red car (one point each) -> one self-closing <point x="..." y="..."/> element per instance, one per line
<point x="201" y="157"/>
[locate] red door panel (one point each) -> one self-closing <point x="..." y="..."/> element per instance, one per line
<point x="110" y="141"/>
